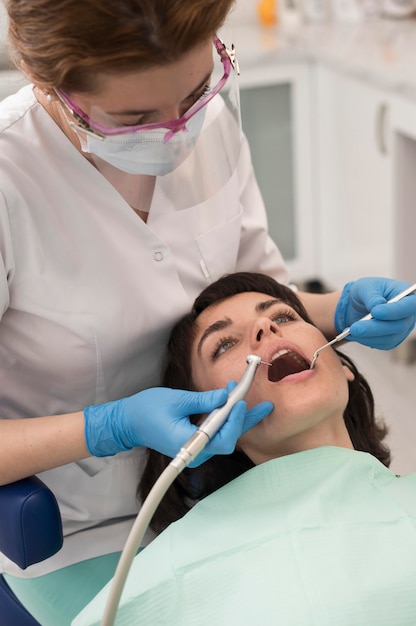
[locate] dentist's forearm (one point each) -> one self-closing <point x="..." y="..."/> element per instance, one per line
<point x="29" y="446"/>
<point x="321" y="308"/>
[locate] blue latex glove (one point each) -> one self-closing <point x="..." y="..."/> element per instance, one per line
<point x="392" y="322"/>
<point x="158" y="418"/>
<point x="238" y="422"/>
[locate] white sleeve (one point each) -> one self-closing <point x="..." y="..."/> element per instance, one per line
<point x="258" y="252"/>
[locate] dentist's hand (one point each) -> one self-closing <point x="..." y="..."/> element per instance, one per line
<point x="392" y="322"/>
<point x="158" y="418"/>
<point x="238" y="422"/>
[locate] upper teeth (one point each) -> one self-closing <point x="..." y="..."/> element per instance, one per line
<point x="282" y="352"/>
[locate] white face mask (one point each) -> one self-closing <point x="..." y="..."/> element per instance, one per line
<point x="146" y="152"/>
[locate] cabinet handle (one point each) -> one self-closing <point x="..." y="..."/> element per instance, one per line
<point x="381" y="129"/>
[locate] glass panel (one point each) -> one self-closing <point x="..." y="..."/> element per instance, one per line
<point x="267" y="122"/>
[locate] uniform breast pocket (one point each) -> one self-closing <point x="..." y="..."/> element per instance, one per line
<point x="219" y="247"/>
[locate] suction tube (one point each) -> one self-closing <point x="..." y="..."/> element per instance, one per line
<point x="209" y="427"/>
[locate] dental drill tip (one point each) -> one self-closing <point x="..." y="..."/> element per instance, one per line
<point x="253" y="358"/>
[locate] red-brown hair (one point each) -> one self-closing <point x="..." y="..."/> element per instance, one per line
<point x="68" y="44"/>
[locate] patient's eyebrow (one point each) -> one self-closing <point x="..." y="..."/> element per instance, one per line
<point x="214" y="328"/>
<point x="264" y="306"/>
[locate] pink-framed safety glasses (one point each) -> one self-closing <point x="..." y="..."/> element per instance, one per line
<point x="87" y="125"/>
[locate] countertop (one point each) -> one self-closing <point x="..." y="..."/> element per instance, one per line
<point x="380" y="51"/>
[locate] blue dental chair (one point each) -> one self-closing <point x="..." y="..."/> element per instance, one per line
<point x="30" y="532"/>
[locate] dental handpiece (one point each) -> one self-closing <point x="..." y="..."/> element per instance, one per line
<point x="347" y="330"/>
<point x="211" y="425"/>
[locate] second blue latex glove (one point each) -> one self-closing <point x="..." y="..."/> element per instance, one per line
<point x="158" y="418"/>
<point x="392" y="323"/>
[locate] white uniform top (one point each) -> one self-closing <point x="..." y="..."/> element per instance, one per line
<point x="88" y="293"/>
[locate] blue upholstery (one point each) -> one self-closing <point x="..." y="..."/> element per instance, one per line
<point x="12" y="613"/>
<point x="30" y="522"/>
<point x="30" y="532"/>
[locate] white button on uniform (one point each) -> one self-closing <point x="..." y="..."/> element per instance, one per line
<point x="158" y="256"/>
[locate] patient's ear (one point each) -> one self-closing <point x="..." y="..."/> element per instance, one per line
<point x="349" y="374"/>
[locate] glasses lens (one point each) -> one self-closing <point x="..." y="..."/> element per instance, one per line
<point x="110" y="125"/>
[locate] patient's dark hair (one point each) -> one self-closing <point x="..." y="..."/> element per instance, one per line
<point x="366" y="433"/>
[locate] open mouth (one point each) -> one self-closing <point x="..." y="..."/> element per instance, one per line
<point x="284" y="363"/>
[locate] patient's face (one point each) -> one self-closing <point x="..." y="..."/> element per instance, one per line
<point x="309" y="404"/>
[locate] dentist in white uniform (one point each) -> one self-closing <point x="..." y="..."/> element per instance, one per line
<point x="125" y="187"/>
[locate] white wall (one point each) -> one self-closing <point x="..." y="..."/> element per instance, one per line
<point x="3" y="32"/>
<point x="244" y="11"/>
<point x="3" y="20"/>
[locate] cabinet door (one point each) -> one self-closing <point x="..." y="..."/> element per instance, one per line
<point x="268" y="123"/>
<point x="354" y="191"/>
<point x="275" y="118"/>
<point x="403" y="125"/>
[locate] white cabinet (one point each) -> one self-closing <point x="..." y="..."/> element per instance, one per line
<point x="354" y="172"/>
<point x="403" y="129"/>
<point x="276" y="119"/>
<point x="365" y="169"/>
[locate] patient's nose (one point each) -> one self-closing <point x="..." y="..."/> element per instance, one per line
<point x="264" y="327"/>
